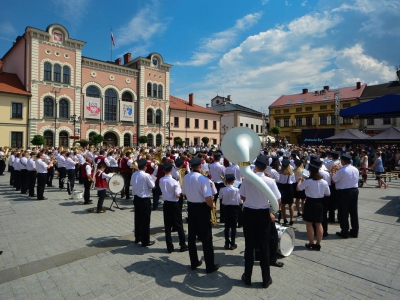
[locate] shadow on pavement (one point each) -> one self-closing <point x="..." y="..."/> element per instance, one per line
<point x="389" y="209"/>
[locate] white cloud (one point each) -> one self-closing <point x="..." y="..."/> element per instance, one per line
<point x="263" y="2"/>
<point x="7" y="29"/>
<point x="72" y="11"/>
<point x="304" y="3"/>
<point x="212" y="47"/>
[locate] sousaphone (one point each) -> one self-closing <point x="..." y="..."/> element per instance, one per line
<point x="240" y="146"/>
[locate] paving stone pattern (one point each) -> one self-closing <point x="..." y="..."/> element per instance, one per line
<point x="54" y="249"/>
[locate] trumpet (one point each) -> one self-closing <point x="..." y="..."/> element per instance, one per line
<point x="214" y="220"/>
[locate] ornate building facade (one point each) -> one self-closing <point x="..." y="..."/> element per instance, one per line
<point x="73" y="95"/>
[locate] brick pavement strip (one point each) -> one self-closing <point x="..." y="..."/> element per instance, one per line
<point x="55" y="250"/>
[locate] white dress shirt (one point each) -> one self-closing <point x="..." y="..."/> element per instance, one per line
<point x="315" y="188"/>
<point x="169" y="188"/>
<point x="255" y="199"/>
<point x="88" y="170"/>
<point x="234" y="169"/>
<point x="216" y="171"/>
<point x="175" y="174"/>
<point x="286" y="179"/>
<point x="326" y="176"/>
<point x="41" y="166"/>
<point x="69" y="164"/>
<point x="142" y="184"/>
<point x="230" y="195"/>
<point x="11" y="160"/>
<point x="196" y="187"/>
<point x="23" y="163"/>
<point x="16" y="164"/>
<point x="61" y="161"/>
<point x="113" y="162"/>
<point x="346" y="177"/>
<point x="31" y="165"/>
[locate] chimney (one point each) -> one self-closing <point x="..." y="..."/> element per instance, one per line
<point x="305" y="91"/>
<point x="127" y="58"/>
<point x="191" y="99"/>
<point x="207" y="105"/>
<point x="358" y="85"/>
<point x="326" y="87"/>
<point x="118" y="61"/>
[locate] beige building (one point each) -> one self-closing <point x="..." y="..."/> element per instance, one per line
<point x="14" y="101"/>
<point x="192" y="122"/>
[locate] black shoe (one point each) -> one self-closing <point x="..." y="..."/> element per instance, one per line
<point x="233" y="247"/>
<point x="150" y="243"/>
<point x="122" y="197"/>
<point x="227" y="247"/>
<point x="216" y="267"/>
<point x="291" y="223"/>
<point x="34" y="195"/>
<point x="342" y="235"/>
<point x="137" y="241"/>
<point x="245" y="280"/>
<point x="325" y="234"/>
<point x="353" y="235"/>
<point x="44" y="198"/>
<point x="128" y="198"/>
<point x="17" y="190"/>
<point x="174" y="229"/>
<point x="316" y="247"/>
<point x="198" y="265"/>
<point x="184" y="249"/>
<point x="265" y="285"/>
<point x="299" y="214"/>
<point x="277" y="264"/>
<point x="170" y="250"/>
<point x="87" y="203"/>
<point x="285" y="222"/>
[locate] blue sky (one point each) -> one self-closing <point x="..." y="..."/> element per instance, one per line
<point x="254" y="50"/>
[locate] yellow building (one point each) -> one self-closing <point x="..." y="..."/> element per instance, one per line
<point x="14" y="121"/>
<point x="309" y="117"/>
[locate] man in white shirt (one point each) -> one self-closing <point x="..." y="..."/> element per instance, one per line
<point x="41" y="168"/>
<point x="217" y="172"/>
<point x="24" y="172"/>
<point x="31" y="167"/>
<point x="70" y="166"/>
<point x="172" y="213"/>
<point x="62" y="171"/>
<point x="11" y="168"/>
<point x="142" y="184"/>
<point x="17" y="172"/>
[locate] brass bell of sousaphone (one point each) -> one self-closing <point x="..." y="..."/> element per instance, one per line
<point x="240" y="146"/>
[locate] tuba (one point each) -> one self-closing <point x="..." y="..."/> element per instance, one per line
<point x="240" y="146"/>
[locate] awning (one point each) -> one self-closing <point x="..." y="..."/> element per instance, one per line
<point x="387" y="106"/>
<point x="349" y="136"/>
<point x="389" y="136"/>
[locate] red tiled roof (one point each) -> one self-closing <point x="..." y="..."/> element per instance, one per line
<point x="10" y="83"/>
<point x="347" y="93"/>
<point x="180" y="104"/>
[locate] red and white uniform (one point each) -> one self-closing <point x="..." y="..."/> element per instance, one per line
<point x="101" y="180"/>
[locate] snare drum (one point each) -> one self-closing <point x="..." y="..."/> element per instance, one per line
<point x="286" y="240"/>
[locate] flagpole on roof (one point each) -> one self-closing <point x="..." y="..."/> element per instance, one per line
<point x="112" y="37"/>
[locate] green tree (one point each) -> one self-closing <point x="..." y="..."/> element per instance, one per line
<point x="275" y="130"/>
<point x="142" y="139"/>
<point x="37" y="140"/>
<point x="97" y="139"/>
<point x="83" y="143"/>
<point x="178" y="141"/>
<point x="205" y="140"/>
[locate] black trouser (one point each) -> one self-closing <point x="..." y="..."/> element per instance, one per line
<point x="2" y="166"/>
<point x="41" y="183"/>
<point x="142" y="219"/>
<point x="181" y="203"/>
<point x="218" y="186"/>
<point x="62" y="173"/>
<point x="71" y="178"/>
<point x="32" y="182"/>
<point x="127" y="182"/>
<point x="173" y="218"/>
<point x="332" y="203"/>
<point x="101" y="194"/>
<point x="50" y="176"/>
<point x="24" y="181"/>
<point x="78" y="173"/>
<point x="156" y="195"/>
<point x="325" y="208"/>
<point x="348" y="201"/>
<point x="199" y="224"/>
<point x="231" y="219"/>
<point x="86" y="194"/>
<point x="273" y="243"/>
<point x="256" y="229"/>
<point x="240" y="216"/>
<point x="17" y="179"/>
<point x="11" y="170"/>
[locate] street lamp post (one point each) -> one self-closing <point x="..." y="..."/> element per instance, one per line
<point x="337" y="111"/>
<point x="55" y="91"/>
<point x="74" y="119"/>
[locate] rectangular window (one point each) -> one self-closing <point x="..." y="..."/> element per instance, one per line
<point x="252" y="126"/>
<point x="299" y="121"/>
<point x="346" y="120"/>
<point x="261" y="129"/>
<point x="346" y="105"/>
<point x="187" y="141"/>
<point x="285" y="111"/>
<point x="205" y="124"/>
<point x="333" y="106"/>
<point x="308" y="108"/>
<point x="333" y="120"/>
<point x="278" y="123"/>
<point x="187" y="122"/>
<point x="370" y="122"/>
<point x="215" y="125"/>
<point x="286" y="122"/>
<point x="16" y="139"/>
<point x="257" y="128"/>
<point x="196" y="124"/>
<point x="278" y="111"/>
<point x="241" y="124"/>
<point x="176" y="121"/>
<point x="309" y="121"/>
<point x="214" y="141"/>
<point x="247" y="125"/>
<point x="299" y="109"/>
<point x="322" y="107"/>
<point x="17" y="110"/>
<point x="323" y="120"/>
<point x="386" y="121"/>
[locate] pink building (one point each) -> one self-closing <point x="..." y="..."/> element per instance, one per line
<point x="73" y="95"/>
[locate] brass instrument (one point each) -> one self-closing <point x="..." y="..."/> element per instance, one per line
<point x="223" y="179"/>
<point x="128" y="150"/>
<point x="214" y="220"/>
<point x="181" y="172"/>
<point x="334" y="169"/>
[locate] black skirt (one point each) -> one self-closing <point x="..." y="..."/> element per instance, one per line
<point x="313" y="211"/>
<point x="298" y="194"/>
<point x="286" y="191"/>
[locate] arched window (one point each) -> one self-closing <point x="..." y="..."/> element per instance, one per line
<point x="110" y="105"/>
<point x="48" y="107"/>
<point x="158" y="116"/>
<point x="66" y="74"/>
<point x="48" y="138"/>
<point x="150" y="140"/>
<point x="47" y="71"/>
<point x="93" y="91"/>
<point x="158" y="140"/>
<point x="154" y="90"/>
<point x="63" y="139"/>
<point x="127" y="140"/>
<point x="149" y="89"/>
<point x="150" y="116"/>
<point x="127" y="97"/>
<point x="57" y="73"/>
<point x="160" y="91"/>
<point x="90" y="137"/>
<point x="63" y="108"/>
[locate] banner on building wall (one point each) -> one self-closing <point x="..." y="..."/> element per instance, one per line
<point x="126" y="111"/>
<point x="92" y="108"/>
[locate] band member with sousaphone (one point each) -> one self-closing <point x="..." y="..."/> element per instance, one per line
<point x="87" y="176"/>
<point x="101" y="185"/>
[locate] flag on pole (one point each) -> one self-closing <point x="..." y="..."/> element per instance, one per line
<point x="112" y="38"/>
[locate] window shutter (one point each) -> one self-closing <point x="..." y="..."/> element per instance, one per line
<point x="340" y="120"/>
<point x="303" y="121"/>
<point x="313" y="121"/>
<point x="329" y="120"/>
<point x="319" y="120"/>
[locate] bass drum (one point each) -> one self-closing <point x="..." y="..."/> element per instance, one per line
<point x="286" y="240"/>
<point x="115" y="184"/>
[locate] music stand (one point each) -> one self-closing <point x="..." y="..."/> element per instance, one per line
<point x="115" y="186"/>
